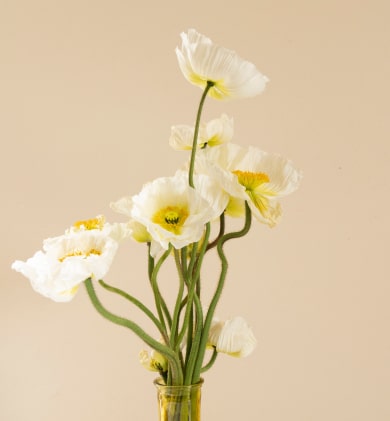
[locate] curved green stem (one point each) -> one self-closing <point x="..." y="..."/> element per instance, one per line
<point x="161" y="306"/>
<point x="220" y="234"/>
<point x="211" y="362"/>
<point x="218" y="292"/>
<point x="150" y="262"/>
<point x="139" y="304"/>
<point x="179" y="298"/>
<point x="159" y="347"/>
<point x="209" y="85"/>
<point x="198" y="311"/>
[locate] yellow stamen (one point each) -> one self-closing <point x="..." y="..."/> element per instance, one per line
<point x="171" y="218"/>
<point x="91" y="224"/>
<point x="80" y="253"/>
<point x="251" y="180"/>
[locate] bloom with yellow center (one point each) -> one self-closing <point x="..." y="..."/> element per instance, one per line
<point x="117" y="231"/>
<point x="202" y="61"/>
<point x="68" y="260"/>
<point x="233" y="337"/>
<point x="213" y="133"/>
<point x="175" y="213"/>
<point x="249" y="174"/>
<point x="153" y="361"/>
<point x="90" y="224"/>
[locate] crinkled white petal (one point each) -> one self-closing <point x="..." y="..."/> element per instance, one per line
<point x="117" y="231"/>
<point x="68" y="260"/>
<point x="233" y="337"/>
<point x="211" y="191"/>
<point x="153" y="361"/>
<point x="221" y="161"/>
<point x="212" y="133"/>
<point x="217" y="163"/>
<point x="201" y="60"/>
<point x="122" y="206"/>
<point x="218" y="131"/>
<point x="181" y="138"/>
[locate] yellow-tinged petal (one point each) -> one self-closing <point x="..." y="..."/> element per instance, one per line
<point x="233" y="337"/>
<point x="90" y="224"/>
<point x="153" y="361"/>
<point x="202" y="61"/>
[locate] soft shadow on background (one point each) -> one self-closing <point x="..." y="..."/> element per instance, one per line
<point x="88" y="92"/>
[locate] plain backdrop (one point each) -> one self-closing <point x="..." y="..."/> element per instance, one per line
<point x="88" y="93"/>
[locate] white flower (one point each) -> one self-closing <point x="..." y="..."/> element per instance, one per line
<point x="153" y="361"/>
<point x="233" y="337"/>
<point x="213" y="133"/>
<point x="202" y="61"/>
<point x="117" y="231"/>
<point x="175" y="213"/>
<point x="68" y="260"/>
<point x="251" y="174"/>
<point x="138" y="231"/>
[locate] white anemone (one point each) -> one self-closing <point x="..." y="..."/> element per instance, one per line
<point x="175" y="213"/>
<point x="67" y="261"/>
<point x="213" y="133"/>
<point x="153" y="361"/>
<point x="202" y="61"/>
<point x="250" y="174"/>
<point x="233" y="337"/>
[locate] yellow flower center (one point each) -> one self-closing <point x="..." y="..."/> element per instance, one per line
<point x="259" y="194"/>
<point x="171" y="218"/>
<point x="90" y="224"/>
<point x="77" y="252"/>
<point x="251" y="180"/>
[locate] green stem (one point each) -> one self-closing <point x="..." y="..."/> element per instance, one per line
<point x="140" y="305"/>
<point x="218" y="292"/>
<point x="159" y="347"/>
<point x="211" y="362"/>
<point x="198" y="310"/>
<point x="179" y="298"/>
<point x="150" y="262"/>
<point x="221" y="232"/>
<point x="161" y="306"/>
<point x="209" y="85"/>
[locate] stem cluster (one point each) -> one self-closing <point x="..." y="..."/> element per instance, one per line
<point x="184" y="330"/>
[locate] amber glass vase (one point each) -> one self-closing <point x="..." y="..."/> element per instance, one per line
<point x="178" y="403"/>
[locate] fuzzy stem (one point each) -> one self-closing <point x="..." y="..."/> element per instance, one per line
<point x="160" y="303"/>
<point x="177" y="375"/>
<point x="139" y="304"/>
<point x="209" y="85"/>
<point x="211" y="362"/>
<point x="218" y="292"/>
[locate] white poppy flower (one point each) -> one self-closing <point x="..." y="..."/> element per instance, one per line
<point x="138" y="231"/>
<point x="202" y="61"/>
<point x="85" y="250"/>
<point x="175" y="213"/>
<point x="117" y="231"/>
<point x="213" y="133"/>
<point x="233" y="337"/>
<point x="253" y="175"/>
<point x="67" y="261"/>
<point x="153" y="361"/>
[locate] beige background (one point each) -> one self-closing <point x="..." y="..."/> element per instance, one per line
<point x="88" y="92"/>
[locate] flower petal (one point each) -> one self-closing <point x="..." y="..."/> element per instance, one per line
<point x="201" y="61"/>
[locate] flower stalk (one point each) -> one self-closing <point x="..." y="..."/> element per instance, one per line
<point x="176" y="371"/>
<point x="209" y="85"/>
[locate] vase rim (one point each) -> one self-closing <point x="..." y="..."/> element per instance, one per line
<point x="159" y="382"/>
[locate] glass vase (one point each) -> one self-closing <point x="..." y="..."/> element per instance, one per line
<point x="178" y="403"/>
